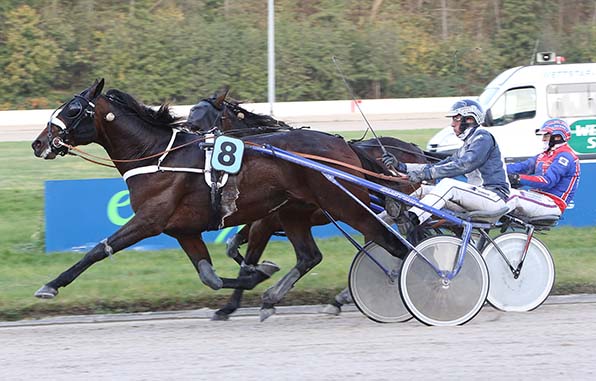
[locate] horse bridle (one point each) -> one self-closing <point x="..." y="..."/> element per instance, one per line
<point x="221" y="115"/>
<point x="56" y="143"/>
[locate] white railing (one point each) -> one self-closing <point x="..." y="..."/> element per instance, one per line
<point x="25" y="124"/>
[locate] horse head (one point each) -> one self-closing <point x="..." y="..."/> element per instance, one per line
<point x="211" y="113"/>
<point x="72" y="124"/>
<point x="108" y="120"/>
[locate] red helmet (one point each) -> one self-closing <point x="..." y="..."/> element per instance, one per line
<point x="555" y="127"/>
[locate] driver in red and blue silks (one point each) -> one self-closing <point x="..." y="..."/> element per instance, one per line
<point x="552" y="176"/>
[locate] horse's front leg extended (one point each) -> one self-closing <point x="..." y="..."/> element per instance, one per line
<point x="133" y="231"/>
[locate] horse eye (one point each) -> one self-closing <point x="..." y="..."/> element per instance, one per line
<point x="74" y="109"/>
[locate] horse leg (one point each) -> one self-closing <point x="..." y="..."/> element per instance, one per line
<point x="233" y="251"/>
<point x="297" y="228"/>
<point x="197" y="252"/>
<point x="344" y="296"/>
<point x="258" y="236"/>
<point x="233" y="244"/>
<point x="133" y="231"/>
<point x="334" y="308"/>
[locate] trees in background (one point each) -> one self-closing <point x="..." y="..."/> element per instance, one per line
<point x="29" y="58"/>
<point x="182" y="50"/>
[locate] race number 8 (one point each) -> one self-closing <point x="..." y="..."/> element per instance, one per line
<point x="227" y="154"/>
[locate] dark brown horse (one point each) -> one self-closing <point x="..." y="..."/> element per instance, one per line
<point x="168" y="196"/>
<point x="218" y="114"/>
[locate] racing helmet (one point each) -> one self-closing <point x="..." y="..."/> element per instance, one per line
<point x="555" y="127"/>
<point x="467" y="108"/>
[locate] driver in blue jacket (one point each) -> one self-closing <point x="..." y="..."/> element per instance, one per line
<point x="479" y="159"/>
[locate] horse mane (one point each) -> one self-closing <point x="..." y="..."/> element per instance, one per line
<point x="162" y="117"/>
<point x="254" y="120"/>
<point x="368" y="162"/>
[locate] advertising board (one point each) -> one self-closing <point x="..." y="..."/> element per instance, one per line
<point x="80" y="213"/>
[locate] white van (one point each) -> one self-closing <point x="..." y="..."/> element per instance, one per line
<point x="520" y="99"/>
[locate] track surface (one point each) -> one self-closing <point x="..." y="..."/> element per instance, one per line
<point x="556" y="342"/>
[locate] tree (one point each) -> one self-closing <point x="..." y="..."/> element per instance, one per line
<point x="522" y="23"/>
<point x="183" y="50"/>
<point x="31" y="57"/>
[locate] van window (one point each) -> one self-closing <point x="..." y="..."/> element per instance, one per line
<point x="571" y="100"/>
<point x="514" y="104"/>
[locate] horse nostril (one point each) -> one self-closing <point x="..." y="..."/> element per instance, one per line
<point x="36" y="144"/>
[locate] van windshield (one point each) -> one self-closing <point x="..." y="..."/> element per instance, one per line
<point x="486" y="96"/>
<point x="504" y="76"/>
<point x="493" y="87"/>
<point x="514" y="104"/>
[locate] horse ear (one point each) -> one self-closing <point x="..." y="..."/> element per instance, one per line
<point x="96" y="88"/>
<point x="219" y="100"/>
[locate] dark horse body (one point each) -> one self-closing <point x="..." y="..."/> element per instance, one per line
<point x="228" y="117"/>
<point x="179" y="203"/>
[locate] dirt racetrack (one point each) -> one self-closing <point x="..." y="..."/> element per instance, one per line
<point x="556" y="342"/>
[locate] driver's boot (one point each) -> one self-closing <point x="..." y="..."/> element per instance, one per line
<point x="408" y="225"/>
<point x="392" y="207"/>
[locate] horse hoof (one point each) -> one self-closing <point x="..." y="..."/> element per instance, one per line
<point x="330" y="309"/>
<point x="344" y="297"/>
<point x="46" y="292"/>
<point x="208" y="276"/>
<point x="217" y="316"/>
<point x="268" y="268"/>
<point x="266" y="313"/>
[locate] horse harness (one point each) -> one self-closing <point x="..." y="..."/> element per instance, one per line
<point x="215" y="179"/>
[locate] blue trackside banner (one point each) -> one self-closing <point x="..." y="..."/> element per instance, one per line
<point x="80" y="213"/>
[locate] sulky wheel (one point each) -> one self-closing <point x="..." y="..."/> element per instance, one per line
<point x="374" y="292"/>
<point x="532" y="286"/>
<point x="433" y="298"/>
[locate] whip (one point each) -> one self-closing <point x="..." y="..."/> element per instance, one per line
<point x="343" y="77"/>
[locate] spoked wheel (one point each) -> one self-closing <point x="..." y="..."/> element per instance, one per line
<point x="375" y="294"/>
<point x="435" y="300"/>
<point x="535" y="280"/>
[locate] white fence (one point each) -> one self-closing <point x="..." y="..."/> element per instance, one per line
<point x="18" y="125"/>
